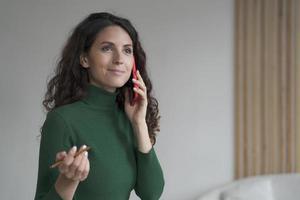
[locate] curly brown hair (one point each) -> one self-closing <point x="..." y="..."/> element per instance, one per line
<point x="69" y="83"/>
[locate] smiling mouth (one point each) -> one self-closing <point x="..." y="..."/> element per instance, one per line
<point x="116" y="71"/>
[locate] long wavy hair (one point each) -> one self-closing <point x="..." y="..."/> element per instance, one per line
<point x="69" y="83"/>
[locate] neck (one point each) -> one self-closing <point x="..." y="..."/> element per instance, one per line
<point x="109" y="89"/>
<point x="98" y="97"/>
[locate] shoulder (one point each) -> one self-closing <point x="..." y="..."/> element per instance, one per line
<point x="67" y="111"/>
<point x="59" y="120"/>
<point x="62" y="115"/>
<point x="56" y="131"/>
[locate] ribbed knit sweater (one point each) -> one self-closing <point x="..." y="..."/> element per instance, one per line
<point x="116" y="165"/>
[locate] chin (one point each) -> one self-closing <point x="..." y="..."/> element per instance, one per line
<point x="118" y="84"/>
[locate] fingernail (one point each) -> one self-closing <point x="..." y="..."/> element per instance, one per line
<point x="74" y="148"/>
<point x="86" y="153"/>
<point x="84" y="146"/>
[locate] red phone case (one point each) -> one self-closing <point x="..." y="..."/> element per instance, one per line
<point x="134" y="75"/>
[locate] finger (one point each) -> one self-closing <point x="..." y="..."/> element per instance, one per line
<point x="140" y="92"/>
<point x="75" y="164"/>
<point x="140" y="78"/>
<point x="82" y="166"/>
<point x="64" y="167"/>
<point x="70" y="157"/>
<point x="60" y="155"/>
<point x="86" y="170"/>
<point x="140" y="84"/>
<point x="77" y="161"/>
<point x="74" y="167"/>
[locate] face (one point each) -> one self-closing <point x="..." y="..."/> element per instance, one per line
<point x="110" y="59"/>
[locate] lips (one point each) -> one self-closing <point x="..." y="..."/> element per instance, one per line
<point x="116" y="71"/>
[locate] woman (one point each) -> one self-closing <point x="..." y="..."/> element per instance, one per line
<point x="89" y="103"/>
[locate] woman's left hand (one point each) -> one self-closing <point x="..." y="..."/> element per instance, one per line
<point x="137" y="112"/>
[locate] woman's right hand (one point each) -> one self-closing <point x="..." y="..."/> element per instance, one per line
<point x="76" y="169"/>
<point x="72" y="171"/>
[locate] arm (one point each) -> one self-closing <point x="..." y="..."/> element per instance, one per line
<point x="150" y="180"/>
<point x="55" y="137"/>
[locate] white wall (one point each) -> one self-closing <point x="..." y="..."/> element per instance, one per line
<point x="190" y="57"/>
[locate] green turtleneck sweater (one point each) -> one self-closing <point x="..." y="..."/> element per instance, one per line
<point x="116" y="165"/>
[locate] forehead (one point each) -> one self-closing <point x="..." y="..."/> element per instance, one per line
<point x="114" y="34"/>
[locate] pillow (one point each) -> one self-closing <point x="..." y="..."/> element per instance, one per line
<point x="257" y="190"/>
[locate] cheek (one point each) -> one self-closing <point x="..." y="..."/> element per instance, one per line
<point x="97" y="73"/>
<point x="129" y="71"/>
<point x="127" y="77"/>
<point x="100" y="60"/>
<point x="100" y="65"/>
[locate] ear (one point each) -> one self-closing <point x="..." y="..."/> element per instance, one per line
<point x="84" y="61"/>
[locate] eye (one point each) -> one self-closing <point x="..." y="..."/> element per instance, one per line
<point x="106" y="48"/>
<point x="128" y="50"/>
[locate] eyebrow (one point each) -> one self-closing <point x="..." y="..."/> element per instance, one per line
<point x="111" y="43"/>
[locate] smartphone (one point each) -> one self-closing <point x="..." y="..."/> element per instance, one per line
<point x="134" y="96"/>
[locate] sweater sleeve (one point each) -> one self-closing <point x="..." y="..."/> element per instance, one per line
<point x="55" y="137"/>
<point x="150" y="180"/>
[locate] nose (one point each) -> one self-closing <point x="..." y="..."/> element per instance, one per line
<point x="118" y="59"/>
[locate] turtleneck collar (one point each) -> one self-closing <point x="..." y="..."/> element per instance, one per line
<point x="99" y="97"/>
